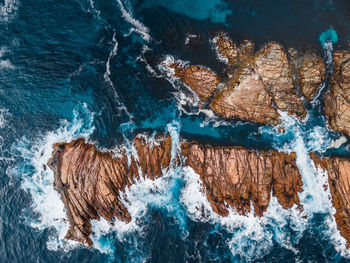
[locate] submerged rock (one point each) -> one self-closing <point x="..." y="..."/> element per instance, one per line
<point x="337" y="102"/>
<point x="90" y="182"/>
<point x="237" y="177"/>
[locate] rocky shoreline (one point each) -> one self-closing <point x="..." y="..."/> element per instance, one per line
<point x="259" y="84"/>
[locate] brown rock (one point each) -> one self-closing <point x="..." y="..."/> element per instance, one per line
<point x="338" y="170"/>
<point x="238" y="177"/>
<point x="337" y="102"/>
<point x="90" y="181"/>
<point x="310" y="70"/>
<point x="260" y="83"/>
<point x="228" y="51"/>
<point x="312" y="73"/>
<point x="200" y="79"/>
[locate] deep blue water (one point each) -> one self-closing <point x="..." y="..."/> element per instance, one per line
<point x="55" y="86"/>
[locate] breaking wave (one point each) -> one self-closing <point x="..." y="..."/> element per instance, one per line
<point x="38" y="179"/>
<point x="315" y="197"/>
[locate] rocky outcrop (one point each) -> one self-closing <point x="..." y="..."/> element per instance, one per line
<point x="200" y="79"/>
<point x="91" y="182"/>
<point x="257" y="84"/>
<point x="337" y="102"/>
<point x="338" y="170"/>
<point x="308" y="70"/>
<point x="228" y="52"/>
<point x="263" y="84"/>
<point x="237" y="177"/>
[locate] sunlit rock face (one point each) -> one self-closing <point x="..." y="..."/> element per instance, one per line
<point x="337" y="102"/>
<point x="200" y="79"/>
<point x="237" y="177"/>
<point x="91" y="182"/>
<point x="258" y="84"/>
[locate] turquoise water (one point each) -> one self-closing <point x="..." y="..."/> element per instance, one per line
<point x="89" y="68"/>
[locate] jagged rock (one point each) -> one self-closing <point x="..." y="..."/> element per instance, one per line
<point x="310" y="71"/>
<point x="259" y="84"/>
<point x="90" y="182"/>
<point x="337" y="102"/>
<point x="262" y="82"/>
<point x="228" y="51"/>
<point x="237" y="177"/>
<point x="338" y="170"/>
<point x="200" y="79"/>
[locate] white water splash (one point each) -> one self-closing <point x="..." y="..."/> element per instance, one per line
<point x="138" y="27"/>
<point x="251" y="236"/>
<point x="38" y="179"/>
<point x="214" y="46"/>
<point x="315" y="197"/>
<point x="140" y="196"/>
<point x="8" y="9"/>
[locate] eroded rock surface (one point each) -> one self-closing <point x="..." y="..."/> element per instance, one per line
<point x="257" y="84"/>
<point x="237" y="177"/>
<point x="90" y="182"/>
<point x="200" y="79"/>
<point x="337" y="102"/>
<point x="228" y="51"/>
<point x="266" y="83"/>
<point x="338" y="170"/>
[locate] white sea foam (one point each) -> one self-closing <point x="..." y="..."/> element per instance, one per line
<point x="189" y="37"/>
<point x="316" y="196"/>
<point x="38" y="179"/>
<point x="338" y="142"/>
<point x="5" y="63"/>
<point x="94" y="9"/>
<point x="251" y="236"/>
<point x="140" y="196"/>
<point x="142" y="58"/>
<point x="138" y="27"/>
<point x="214" y="45"/>
<point x="111" y="55"/>
<point x="8" y="9"/>
<point x="190" y="98"/>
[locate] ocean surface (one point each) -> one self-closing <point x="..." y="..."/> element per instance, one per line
<point x="92" y="69"/>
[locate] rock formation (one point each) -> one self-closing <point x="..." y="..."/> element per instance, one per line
<point x="237" y="177"/>
<point x="265" y="78"/>
<point x="257" y="84"/>
<point x="228" y="52"/>
<point x="200" y="79"/>
<point x="90" y="182"/>
<point x="309" y="70"/>
<point x="338" y="170"/>
<point x="337" y="102"/>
